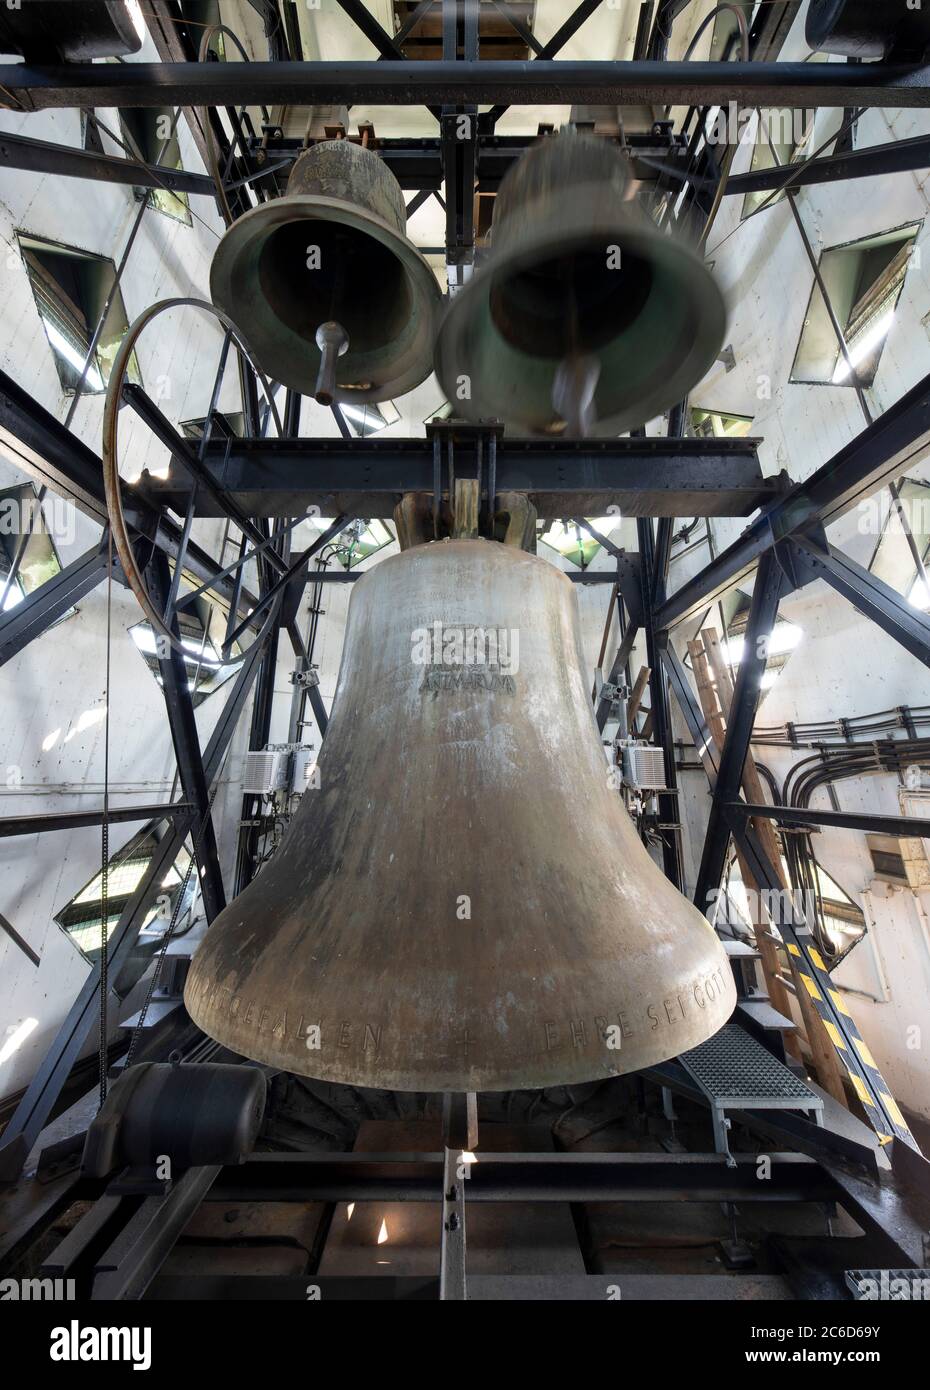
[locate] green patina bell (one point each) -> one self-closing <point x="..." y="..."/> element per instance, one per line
<point x="585" y="319"/>
<point x="331" y="251"/>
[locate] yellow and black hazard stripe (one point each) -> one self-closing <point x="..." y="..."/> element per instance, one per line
<point x="867" y="1081"/>
<point x="881" y="1108"/>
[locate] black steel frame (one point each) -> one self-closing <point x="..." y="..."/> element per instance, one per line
<point x="117" y="1249"/>
<point x="542" y="82"/>
<point x="418" y="164"/>
<point x="645" y="477"/>
<point x="788" y="545"/>
<point x="256" y="478"/>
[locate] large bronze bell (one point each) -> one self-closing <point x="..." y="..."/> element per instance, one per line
<point x="585" y="319"/>
<point x="331" y="254"/>
<point x="464" y="904"/>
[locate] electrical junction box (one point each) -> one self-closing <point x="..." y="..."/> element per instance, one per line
<point x="303" y="768"/>
<point x="265" y="771"/>
<point x="643" y="767"/>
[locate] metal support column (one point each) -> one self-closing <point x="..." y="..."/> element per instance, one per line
<point x="459" y="143"/>
<point x="742" y="716"/>
<point x="661" y="720"/>
<point x="259" y="731"/>
<point x="180" y="706"/>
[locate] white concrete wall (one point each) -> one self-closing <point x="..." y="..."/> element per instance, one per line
<point x="61" y="676"/>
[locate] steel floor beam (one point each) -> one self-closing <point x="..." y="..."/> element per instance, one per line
<point x="47" y="157"/>
<point x="412" y="83"/>
<point x="524" y="1177"/>
<point x="552" y="1288"/>
<point x="644" y="477"/>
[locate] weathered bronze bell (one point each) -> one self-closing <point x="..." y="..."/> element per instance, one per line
<point x="331" y="253"/>
<point x="585" y="319"/>
<point x="464" y="903"/>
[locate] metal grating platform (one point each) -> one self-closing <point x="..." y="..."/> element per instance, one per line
<point x="734" y="1072"/>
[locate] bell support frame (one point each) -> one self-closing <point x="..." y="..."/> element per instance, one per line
<point x="785" y="539"/>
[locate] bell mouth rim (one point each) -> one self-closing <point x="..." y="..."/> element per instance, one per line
<point x="423" y="284"/>
<point x="679" y="258"/>
<point x="516" y="1073"/>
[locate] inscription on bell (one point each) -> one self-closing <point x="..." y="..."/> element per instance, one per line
<point x="580" y="1032"/>
<point x="315" y="1035"/>
<point x="438" y="678"/>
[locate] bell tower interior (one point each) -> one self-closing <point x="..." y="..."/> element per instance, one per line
<point x="464" y="649"/>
